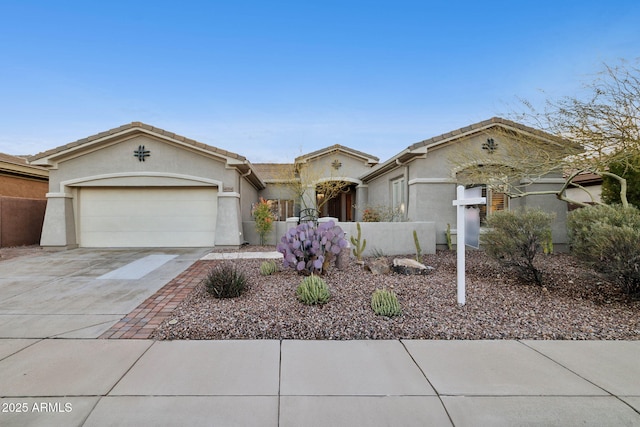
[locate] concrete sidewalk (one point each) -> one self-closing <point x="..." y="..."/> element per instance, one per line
<point x="73" y="382"/>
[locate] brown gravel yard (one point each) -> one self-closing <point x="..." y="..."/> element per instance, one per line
<point x="575" y="304"/>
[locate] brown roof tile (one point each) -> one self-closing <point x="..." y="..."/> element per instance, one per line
<point x="134" y="125"/>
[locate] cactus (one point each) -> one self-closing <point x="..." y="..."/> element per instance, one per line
<point x="359" y="245"/>
<point x="307" y="247"/>
<point x="385" y="303"/>
<point x="418" y="250"/>
<point x="313" y="290"/>
<point x="448" y="236"/>
<point x="267" y="268"/>
<point x="547" y="243"/>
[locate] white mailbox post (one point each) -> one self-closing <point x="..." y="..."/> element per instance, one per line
<point x="464" y="198"/>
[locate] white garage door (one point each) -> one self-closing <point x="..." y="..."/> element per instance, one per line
<point x="147" y="217"/>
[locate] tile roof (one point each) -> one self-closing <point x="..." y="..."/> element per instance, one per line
<point x="274" y="171"/>
<point x="338" y="147"/>
<point x="481" y="125"/>
<point x="419" y="148"/>
<point x="136" y="125"/>
<point x="19" y="165"/>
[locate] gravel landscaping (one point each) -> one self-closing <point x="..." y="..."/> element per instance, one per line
<point x="575" y="303"/>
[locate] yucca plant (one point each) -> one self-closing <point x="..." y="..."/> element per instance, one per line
<point x="385" y="303"/>
<point x="313" y="290"/>
<point x="225" y="281"/>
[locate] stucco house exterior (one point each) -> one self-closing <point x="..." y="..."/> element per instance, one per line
<point x="138" y="185"/>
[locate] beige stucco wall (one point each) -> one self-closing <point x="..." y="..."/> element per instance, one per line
<point x="431" y="182"/>
<point x="351" y="167"/>
<point x="164" y="158"/>
<point x="169" y="164"/>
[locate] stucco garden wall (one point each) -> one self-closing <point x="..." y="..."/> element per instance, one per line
<point x="390" y="238"/>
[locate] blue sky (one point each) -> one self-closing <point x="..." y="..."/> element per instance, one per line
<point x="271" y="80"/>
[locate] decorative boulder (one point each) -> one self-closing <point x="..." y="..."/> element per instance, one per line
<point x="410" y="266"/>
<point x="378" y="266"/>
<point x="342" y="259"/>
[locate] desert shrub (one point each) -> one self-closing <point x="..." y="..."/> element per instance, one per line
<point x="385" y="303"/>
<point x="309" y="248"/>
<point x="225" y="281"/>
<point x="382" y="214"/>
<point x="608" y="238"/>
<point x="264" y="218"/>
<point x="515" y="238"/>
<point x="267" y="268"/>
<point x="313" y="290"/>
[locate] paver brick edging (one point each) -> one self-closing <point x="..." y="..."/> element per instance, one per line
<point x="144" y="319"/>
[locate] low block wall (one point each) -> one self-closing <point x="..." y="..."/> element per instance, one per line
<point x="21" y="221"/>
<point x="390" y="238"/>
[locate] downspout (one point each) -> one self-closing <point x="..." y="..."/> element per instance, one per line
<point x="406" y="189"/>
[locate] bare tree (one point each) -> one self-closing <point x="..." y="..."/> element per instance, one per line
<point x="580" y="135"/>
<point x="305" y="181"/>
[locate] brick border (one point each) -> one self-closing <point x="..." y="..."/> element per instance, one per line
<point x="144" y="319"/>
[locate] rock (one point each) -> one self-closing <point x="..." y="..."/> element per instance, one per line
<point x="410" y="266"/>
<point x="378" y="266"/>
<point x="342" y="260"/>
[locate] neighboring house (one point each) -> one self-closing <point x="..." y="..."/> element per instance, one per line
<point x="591" y="191"/>
<point x="23" y="191"/>
<point x="137" y="185"/>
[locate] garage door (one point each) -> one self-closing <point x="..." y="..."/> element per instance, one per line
<point x="147" y="217"/>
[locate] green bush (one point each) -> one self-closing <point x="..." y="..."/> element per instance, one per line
<point x="313" y="290"/>
<point x="225" y="281"/>
<point x="515" y="238"/>
<point x="608" y="238"/>
<point x="385" y="303"/>
<point x="267" y="268"/>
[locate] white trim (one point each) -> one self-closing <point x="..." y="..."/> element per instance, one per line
<point x="431" y="181"/>
<point x="77" y="182"/>
<point x="228" y="194"/>
<point x="60" y="195"/>
<point x="337" y="178"/>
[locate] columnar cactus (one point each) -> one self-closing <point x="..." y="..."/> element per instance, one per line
<point x="358" y="245"/>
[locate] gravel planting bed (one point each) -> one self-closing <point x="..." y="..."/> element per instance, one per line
<point x="575" y="303"/>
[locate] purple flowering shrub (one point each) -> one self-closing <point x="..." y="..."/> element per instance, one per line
<point x="309" y="248"/>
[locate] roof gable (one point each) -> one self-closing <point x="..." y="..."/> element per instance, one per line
<point x="420" y="149"/>
<point x="52" y="157"/>
<point x="337" y="148"/>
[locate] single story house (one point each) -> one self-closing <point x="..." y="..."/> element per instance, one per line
<point x="138" y="186"/>
<point x="23" y="190"/>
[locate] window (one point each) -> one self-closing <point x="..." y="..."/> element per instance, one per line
<point x="496" y="201"/>
<point x="282" y="209"/>
<point x="397" y="195"/>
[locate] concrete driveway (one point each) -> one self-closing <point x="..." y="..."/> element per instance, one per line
<point x="80" y="293"/>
